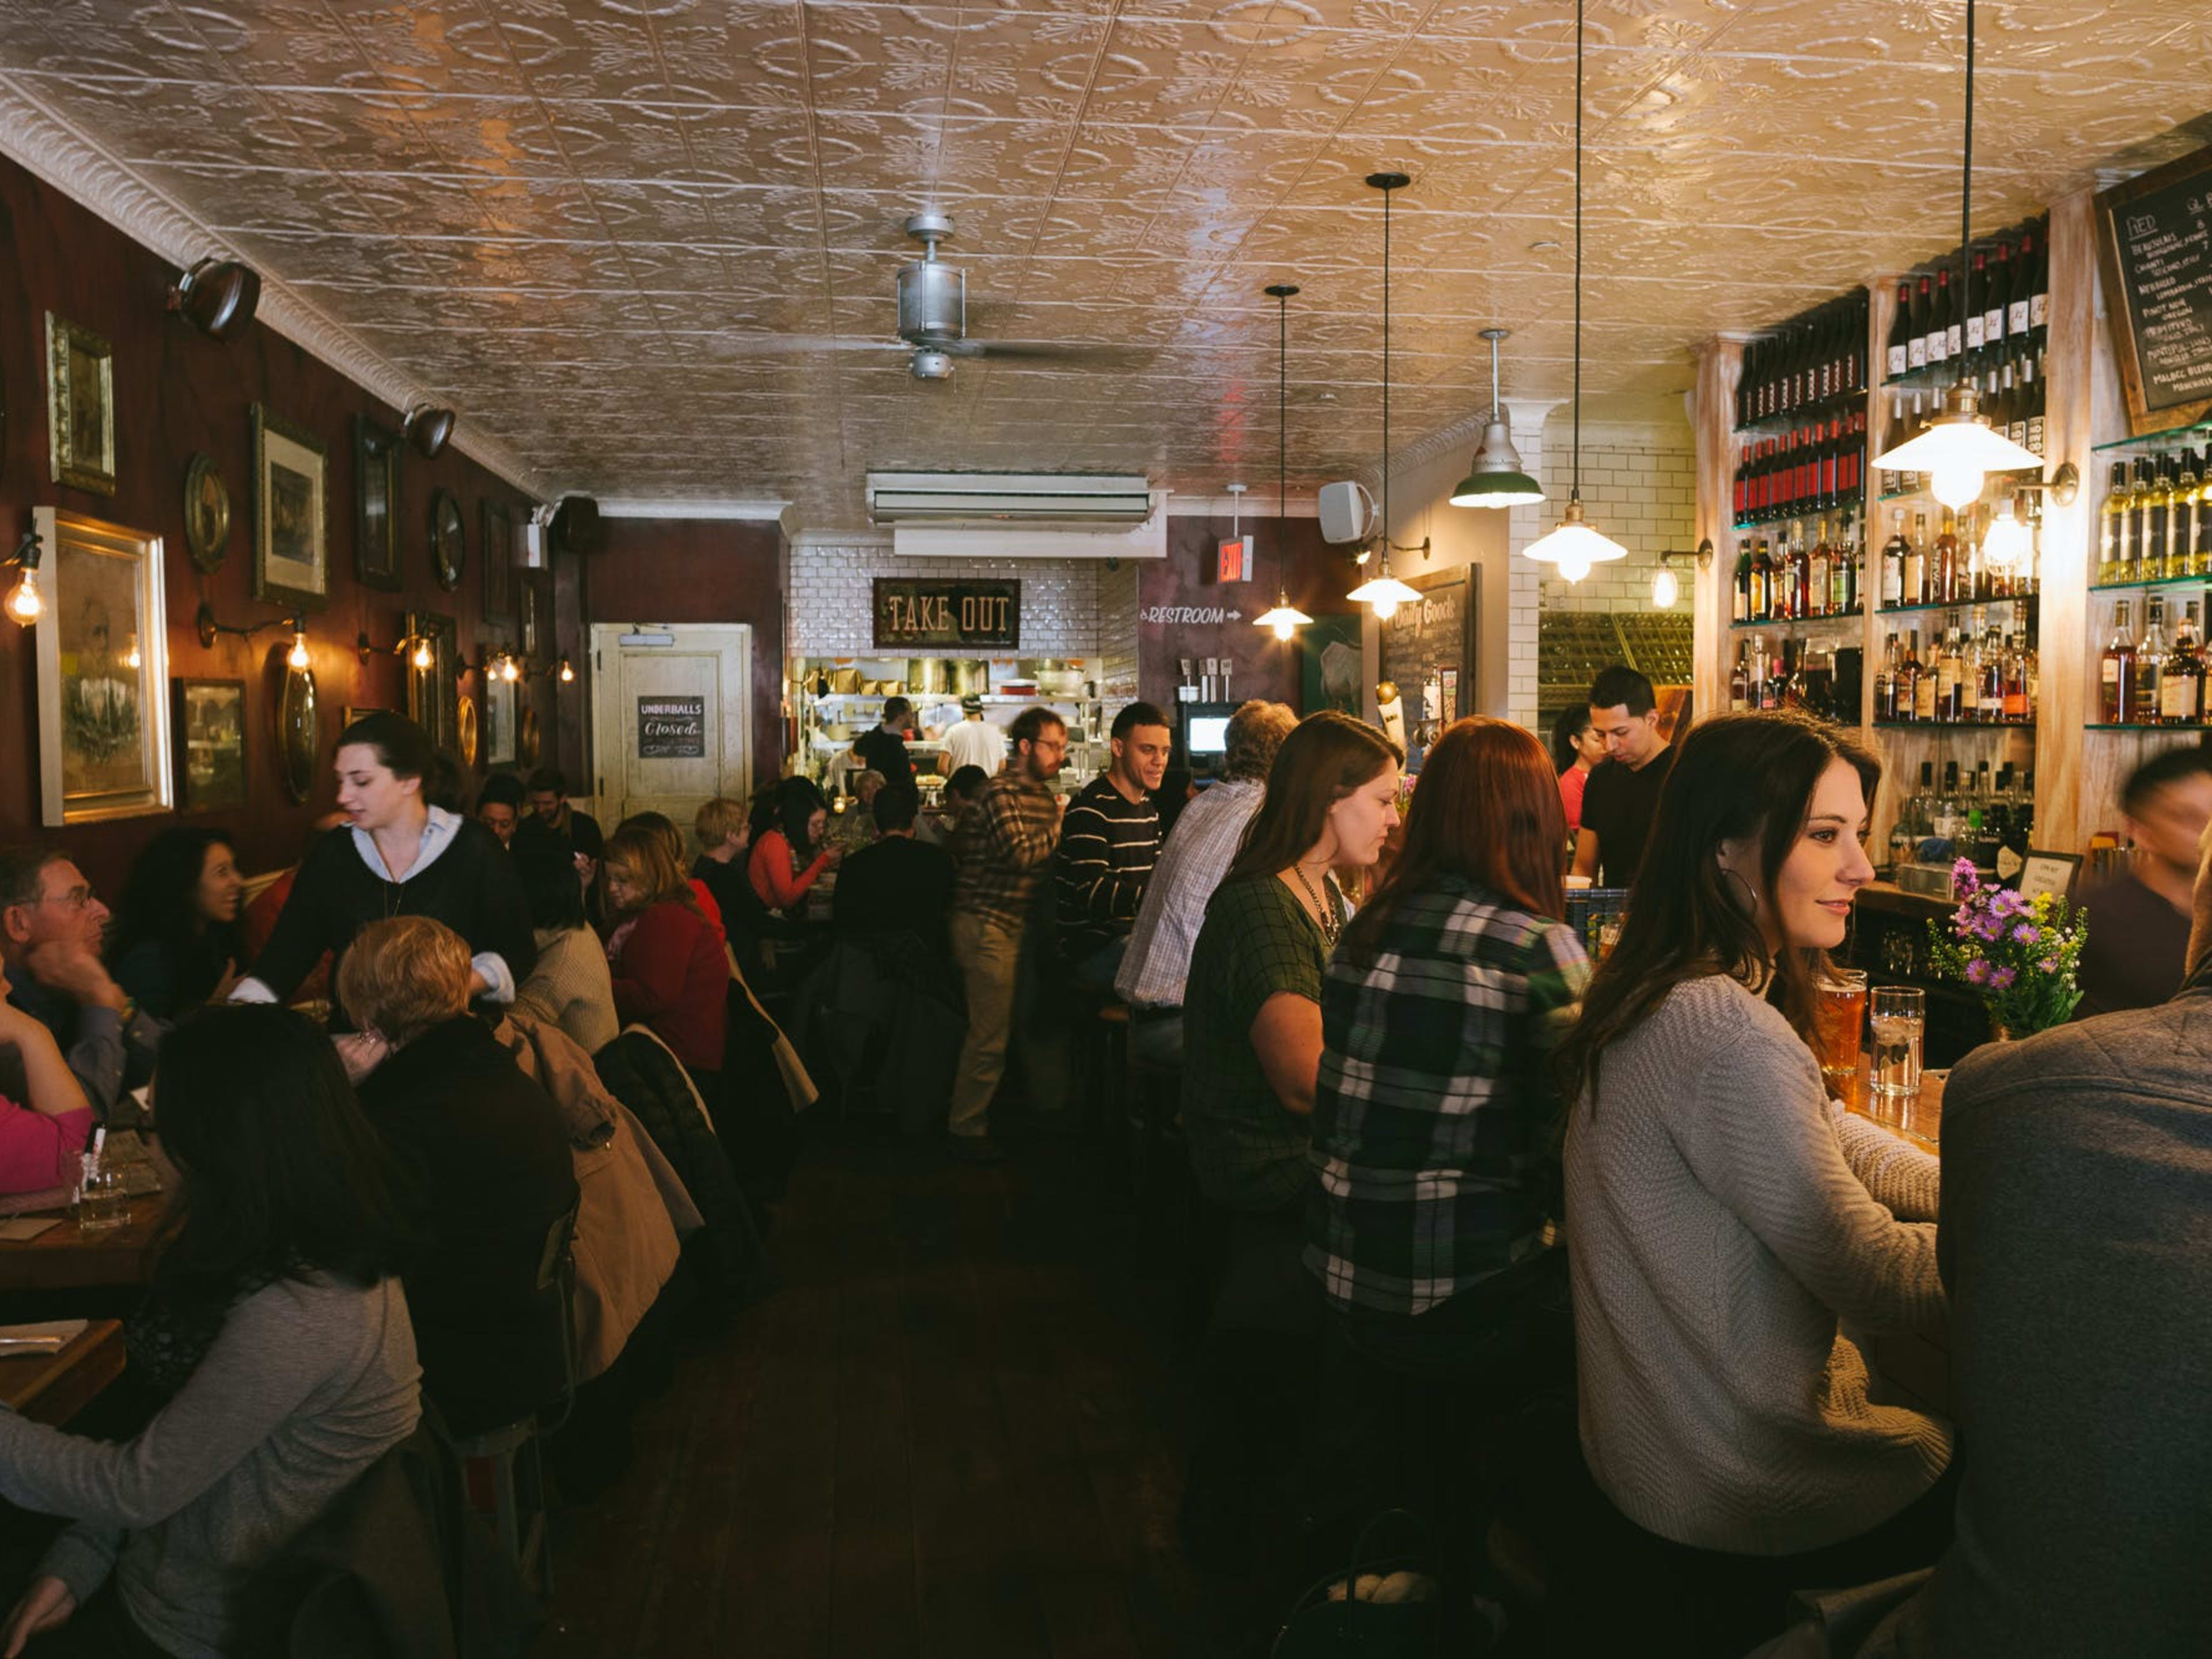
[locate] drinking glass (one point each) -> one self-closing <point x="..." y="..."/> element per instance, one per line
<point x="1900" y="1022"/>
<point x="1839" y="1019"/>
<point x="102" y="1203"/>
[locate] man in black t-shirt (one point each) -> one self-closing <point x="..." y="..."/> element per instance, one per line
<point x="897" y="885"/>
<point x="883" y="748"/>
<point x="1623" y="794"/>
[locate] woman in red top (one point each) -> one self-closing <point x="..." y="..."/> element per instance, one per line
<point x="41" y="1135"/>
<point x="1575" y="748"/>
<point x="670" y="969"/>
<point x="788" y="860"/>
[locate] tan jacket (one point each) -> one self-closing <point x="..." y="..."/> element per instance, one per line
<point x="633" y="1206"/>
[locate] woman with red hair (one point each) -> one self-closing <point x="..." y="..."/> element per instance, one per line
<point x="1435" y="1125"/>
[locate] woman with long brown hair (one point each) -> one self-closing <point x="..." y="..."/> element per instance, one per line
<point x="666" y="957"/>
<point x="1724" y="1216"/>
<point x="1434" y="1126"/>
<point x="1252" y="1007"/>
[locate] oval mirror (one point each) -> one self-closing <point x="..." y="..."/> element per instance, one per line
<point x="297" y="749"/>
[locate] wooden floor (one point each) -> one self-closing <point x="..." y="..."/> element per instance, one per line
<point x="956" y="1429"/>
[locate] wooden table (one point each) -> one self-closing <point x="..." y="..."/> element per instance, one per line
<point x="52" y="1388"/>
<point x="63" y="1259"/>
<point x="1922" y="1126"/>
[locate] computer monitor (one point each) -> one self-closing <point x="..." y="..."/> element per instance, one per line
<point x="1206" y="735"/>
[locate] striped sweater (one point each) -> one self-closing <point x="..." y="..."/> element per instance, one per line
<point x="1108" y="846"/>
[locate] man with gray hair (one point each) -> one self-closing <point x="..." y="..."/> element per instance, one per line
<point x="51" y="929"/>
<point x="1199" y="850"/>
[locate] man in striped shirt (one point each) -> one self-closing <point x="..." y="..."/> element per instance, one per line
<point x="1109" y="843"/>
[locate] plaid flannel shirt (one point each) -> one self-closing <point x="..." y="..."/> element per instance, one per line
<point x="1434" y="1127"/>
<point x="1004" y="846"/>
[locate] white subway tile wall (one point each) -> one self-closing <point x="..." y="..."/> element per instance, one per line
<point x="1117" y="634"/>
<point x="1639" y="487"/>
<point x="832" y="601"/>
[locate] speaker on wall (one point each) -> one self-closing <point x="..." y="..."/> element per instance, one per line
<point x="1346" y="512"/>
<point x="576" y="529"/>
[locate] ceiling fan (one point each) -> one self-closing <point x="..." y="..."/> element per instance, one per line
<point x="933" y="320"/>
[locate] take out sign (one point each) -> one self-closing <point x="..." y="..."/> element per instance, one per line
<point x="913" y="611"/>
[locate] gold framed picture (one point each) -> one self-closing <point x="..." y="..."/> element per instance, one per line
<point x="103" y="673"/>
<point x="80" y="406"/>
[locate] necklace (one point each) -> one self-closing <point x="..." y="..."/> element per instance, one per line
<point x="1325" y="912"/>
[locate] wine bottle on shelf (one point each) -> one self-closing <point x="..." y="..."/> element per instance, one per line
<point x="1885" y="681"/>
<point x="1762" y="583"/>
<point x="1993" y="292"/>
<point x="1898" y="353"/>
<point x="1742" y="610"/>
<point x="1975" y="296"/>
<point x="2181" y="687"/>
<point x="1893" y="562"/>
<point x="2111" y="522"/>
<point x="1950" y="675"/>
<point x="2039" y="288"/>
<point x="2032" y="396"/>
<point x="2019" y="298"/>
<point x="2157" y="516"/>
<point x="2116" y="672"/>
<point x="1844" y="577"/>
<point x="2150" y="662"/>
<point x="1990" y="678"/>
<point x="2184" y="527"/>
<point x="1916" y="355"/>
<point x="1942" y="319"/>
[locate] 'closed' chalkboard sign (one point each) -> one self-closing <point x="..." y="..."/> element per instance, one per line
<point x="976" y="612"/>
<point x="2154" y="240"/>
<point x="672" y="728"/>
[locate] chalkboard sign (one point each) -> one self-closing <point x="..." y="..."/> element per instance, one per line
<point x="672" y="728"/>
<point x="2155" y="245"/>
<point x="976" y="613"/>
<point x="1428" y="652"/>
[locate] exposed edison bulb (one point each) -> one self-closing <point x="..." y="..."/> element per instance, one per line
<point x="1665" y="590"/>
<point x="1284" y="629"/>
<point x="131" y="658"/>
<point x="297" y="656"/>
<point x="423" y="656"/>
<point x="1957" y="486"/>
<point x="1385" y="609"/>
<point x="1574" y="569"/>
<point x="24" y="605"/>
<point x="509" y="670"/>
<point x="568" y="673"/>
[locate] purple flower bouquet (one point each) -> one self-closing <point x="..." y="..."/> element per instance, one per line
<point x="2018" y="955"/>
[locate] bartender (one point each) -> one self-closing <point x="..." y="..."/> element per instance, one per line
<point x="882" y="748"/>
<point x="2139" y="923"/>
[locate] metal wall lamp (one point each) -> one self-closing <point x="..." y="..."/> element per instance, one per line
<point x="1665" y="589"/>
<point x="415" y="647"/>
<point x="427" y="429"/>
<point x="218" y="297"/>
<point x="23" y="604"/>
<point x="205" y="625"/>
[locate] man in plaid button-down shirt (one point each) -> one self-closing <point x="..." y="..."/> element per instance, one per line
<point x="1004" y="846"/>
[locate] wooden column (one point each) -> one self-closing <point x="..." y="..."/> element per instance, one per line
<point x="1712" y="422"/>
<point x="2077" y="773"/>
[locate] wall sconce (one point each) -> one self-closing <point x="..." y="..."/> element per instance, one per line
<point x="500" y="665"/>
<point x="428" y="429"/>
<point x="561" y="670"/>
<point x="23" y="604"/>
<point x="217" y="297"/>
<point x="1665" y="590"/>
<point x="567" y="674"/>
<point x="208" y="627"/>
<point x="415" y="647"/>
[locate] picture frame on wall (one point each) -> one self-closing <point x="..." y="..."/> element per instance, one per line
<point x="103" y="673"/>
<point x="529" y="601"/>
<point x="376" y="451"/>
<point x="496" y="546"/>
<point x="499" y="722"/>
<point x="207" y="514"/>
<point x="433" y="693"/>
<point x="209" y="729"/>
<point x="449" y="539"/>
<point x="291" y="530"/>
<point x="1329" y="659"/>
<point x="80" y="406"/>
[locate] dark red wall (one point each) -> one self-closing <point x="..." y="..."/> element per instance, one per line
<point x="1289" y="554"/>
<point x="176" y="393"/>
<point x="702" y="570"/>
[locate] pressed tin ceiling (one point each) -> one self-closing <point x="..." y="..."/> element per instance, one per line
<point x="582" y="223"/>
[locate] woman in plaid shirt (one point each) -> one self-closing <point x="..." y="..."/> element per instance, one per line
<point x="1435" y="1124"/>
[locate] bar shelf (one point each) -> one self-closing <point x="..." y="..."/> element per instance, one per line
<point x="2196" y="431"/>
<point x="2192" y="726"/>
<point x="2153" y="586"/>
<point x="2027" y="726"/>
<point x="1840" y="619"/>
<point x="1967" y="604"/>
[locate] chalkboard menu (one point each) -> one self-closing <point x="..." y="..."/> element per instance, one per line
<point x="1428" y="653"/>
<point x="2154" y="242"/>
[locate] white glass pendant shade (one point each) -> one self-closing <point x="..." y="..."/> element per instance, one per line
<point x="1284" y="618"/>
<point x="1383" y="594"/>
<point x="1958" y="452"/>
<point x="1574" y="546"/>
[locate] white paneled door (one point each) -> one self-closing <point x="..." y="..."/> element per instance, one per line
<point x="672" y="718"/>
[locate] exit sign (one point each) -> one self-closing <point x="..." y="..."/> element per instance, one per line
<point x="1236" y="560"/>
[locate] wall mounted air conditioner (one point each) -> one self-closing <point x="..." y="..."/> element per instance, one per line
<point x="1004" y="498"/>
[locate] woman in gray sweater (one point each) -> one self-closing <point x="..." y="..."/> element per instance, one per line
<point x="279" y="1322"/>
<point x="1722" y="1215"/>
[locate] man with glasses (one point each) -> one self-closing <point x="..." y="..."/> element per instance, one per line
<point x="1004" y="846"/>
<point x="51" y="931"/>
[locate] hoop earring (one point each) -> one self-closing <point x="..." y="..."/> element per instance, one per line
<point x="1750" y="900"/>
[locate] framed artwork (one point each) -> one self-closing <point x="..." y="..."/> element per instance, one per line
<point x="80" y="406"/>
<point x="354" y="711"/>
<point x="103" y="673"/>
<point x="207" y="514"/>
<point x="528" y="583"/>
<point x="375" y="504"/>
<point x="449" y="539"/>
<point x="210" y="734"/>
<point x="499" y="722"/>
<point x="291" y="532"/>
<point x="495" y="547"/>
<point x="433" y="693"/>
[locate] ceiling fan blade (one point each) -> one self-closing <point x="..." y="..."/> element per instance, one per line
<point x="1069" y="351"/>
<point x="799" y="344"/>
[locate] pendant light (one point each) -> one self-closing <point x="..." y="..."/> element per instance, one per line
<point x="1285" y="618"/>
<point x="1574" y="546"/>
<point x="1495" y="478"/>
<point x="1959" y="448"/>
<point x="1383" y="592"/>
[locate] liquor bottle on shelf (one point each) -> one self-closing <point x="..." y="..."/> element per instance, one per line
<point x="2117" y="673"/>
<point x="1917" y="583"/>
<point x="2182" y="527"/>
<point x="1849" y="579"/>
<point x="1951" y="676"/>
<point x="1947" y="571"/>
<point x="1739" y="680"/>
<point x="1916" y="686"/>
<point x="2200" y="531"/>
<point x="1988" y="674"/>
<point x="1817" y="571"/>
<point x="1885" y="681"/>
<point x="1742" y="611"/>
<point x="2150" y="662"/>
<point x="2157" y="515"/>
<point x="1762" y="582"/>
<point x="1893" y="562"/>
<point x="2181" y="687"/>
<point x="2111" y="526"/>
<point x="2018" y="704"/>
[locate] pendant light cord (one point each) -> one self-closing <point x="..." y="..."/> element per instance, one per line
<point x="1967" y="192"/>
<point x="1283" y="409"/>
<point x="1386" y="380"/>
<point x="1575" y="487"/>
